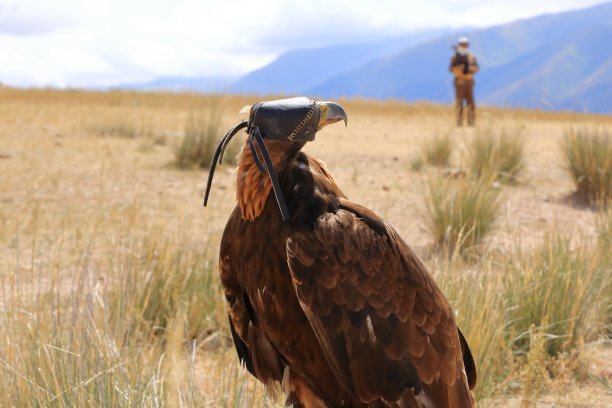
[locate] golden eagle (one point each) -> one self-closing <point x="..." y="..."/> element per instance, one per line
<point x="325" y="298"/>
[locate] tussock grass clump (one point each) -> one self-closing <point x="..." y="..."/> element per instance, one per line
<point x="171" y="278"/>
<point x="522" y="312"/>
<point x="535" y="372"/>
<point x="460" y="213"/>
<point x="604" y="231"/>
<point x="202" y="131"/>
<point x="588" y="158"/>
<point x="438" y="149"/>
<point x="118" y="128"/>
<point x="559" y="288"/>
<point x="197" y="146"/>
<point x="497" y="152"/>
<point x="127" y="339"/>
<point x="604" y="243"/>
<point x="473" y="293"/>
<point x="416" y="164"/>
<point x="75" y="350"/>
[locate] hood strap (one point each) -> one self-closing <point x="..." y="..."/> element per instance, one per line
<point x="255" y="155"/>
<point x="218" y="156"/>
<point x="268" y="170"/>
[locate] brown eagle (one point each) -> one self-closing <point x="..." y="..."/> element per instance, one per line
<point x="325" y="299"/>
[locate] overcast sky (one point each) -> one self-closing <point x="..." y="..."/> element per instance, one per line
<point x="97" y="43"/>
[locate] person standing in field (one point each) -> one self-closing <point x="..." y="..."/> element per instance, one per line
<point x="463" y="65"/>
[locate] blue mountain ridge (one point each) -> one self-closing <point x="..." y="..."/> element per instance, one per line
<point x="556" y="61"/>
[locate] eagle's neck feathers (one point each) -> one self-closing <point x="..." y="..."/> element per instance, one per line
<point x="253" y="188"/>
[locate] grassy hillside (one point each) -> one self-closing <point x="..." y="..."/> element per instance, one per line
<point x="110" y="294"/>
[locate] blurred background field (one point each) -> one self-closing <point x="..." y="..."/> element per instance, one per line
<point x="109" y="288"/>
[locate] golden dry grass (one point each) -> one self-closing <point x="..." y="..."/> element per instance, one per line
<point x="87" y="219"/>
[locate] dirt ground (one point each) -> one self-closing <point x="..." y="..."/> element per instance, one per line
<point x="65" y="184"/>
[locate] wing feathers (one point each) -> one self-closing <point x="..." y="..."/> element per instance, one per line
<point x="468" y="361"/>
<point x="372" y="303"/>
<point x="266" y="364"/>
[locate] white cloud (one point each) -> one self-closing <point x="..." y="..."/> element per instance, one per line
<point x="23" y="18"/>
<point x="103" y="42"/>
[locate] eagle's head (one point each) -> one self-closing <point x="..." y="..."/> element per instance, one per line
<point x="295" y="120"/>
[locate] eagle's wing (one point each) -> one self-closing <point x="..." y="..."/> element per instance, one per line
<point x="382" y="322"/>
<point x="252" y="345"/>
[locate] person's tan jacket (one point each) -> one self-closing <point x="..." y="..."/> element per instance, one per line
<point x="456" y="67"/>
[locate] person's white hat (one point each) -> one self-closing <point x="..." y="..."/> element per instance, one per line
<point x="463" y="40"/>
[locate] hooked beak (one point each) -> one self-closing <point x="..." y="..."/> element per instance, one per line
<point x="331" y="112"/>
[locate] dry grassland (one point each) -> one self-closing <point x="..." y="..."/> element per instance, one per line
<point x="109" y="290"/>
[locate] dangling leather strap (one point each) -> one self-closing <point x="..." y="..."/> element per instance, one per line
<point x="256" y="158"/>
<point x="218" y="156"/>
<point x="269" y="170"/>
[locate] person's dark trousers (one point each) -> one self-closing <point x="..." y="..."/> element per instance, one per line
<point x="464" y="92"/>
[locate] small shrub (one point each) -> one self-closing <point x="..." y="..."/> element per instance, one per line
<point x="497" y="153"/>
<point x="588" y="158"/>
<point x="438" y="150"/>
<point x="459" y="213"/>
<point x="201" y="135"/>
<point x="560" y="289"/>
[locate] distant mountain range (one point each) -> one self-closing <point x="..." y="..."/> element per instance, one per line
<point x="559" y="61"/>
<point x="297" y="71"/>
<point x="294" y="71"/>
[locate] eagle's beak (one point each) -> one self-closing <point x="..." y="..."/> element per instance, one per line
<point x="331" y="112"/>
